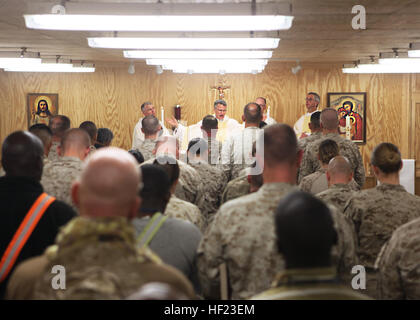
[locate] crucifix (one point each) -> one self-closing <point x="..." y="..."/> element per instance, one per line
<point x="220" y="89"/>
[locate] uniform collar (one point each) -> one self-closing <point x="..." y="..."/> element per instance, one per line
<point x="388" y="186"/>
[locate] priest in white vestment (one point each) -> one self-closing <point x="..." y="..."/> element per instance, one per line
<point x="302" y="125"/>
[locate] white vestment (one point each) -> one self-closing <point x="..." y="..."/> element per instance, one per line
<point x="302" y="125"/>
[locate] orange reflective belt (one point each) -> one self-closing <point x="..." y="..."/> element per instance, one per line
<point x="23" y="233"/>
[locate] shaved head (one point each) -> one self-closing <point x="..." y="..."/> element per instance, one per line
<point x="150" y="125"/>
<point x="75" y="138"/>
<point x="339" y="170"/>
<point x="252" y="113"/>
<point x="109" y="184"/>
<point x="22" y="155"/>
<point x="329" y="119"/>
<point x="280" y="144"/>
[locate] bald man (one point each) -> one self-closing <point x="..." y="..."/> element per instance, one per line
<point x="340" y="183"/>
<point x="108" y="264"/>
<point x="22" y="159"/>
<point x="242" y="232"/>
<point x="150" y="128"/>
<point x="59" y="175"/>
<point x="237" y="149"/>
<point x="329" y="124"/>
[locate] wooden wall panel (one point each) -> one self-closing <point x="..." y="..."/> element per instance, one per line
<point x="111" y="97"/>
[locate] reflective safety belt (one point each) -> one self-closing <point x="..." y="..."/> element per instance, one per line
<point x="23" y="233"/>
<point x="150" y="230"/>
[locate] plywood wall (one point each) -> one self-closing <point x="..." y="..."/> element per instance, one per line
<point x="111" y="97"/>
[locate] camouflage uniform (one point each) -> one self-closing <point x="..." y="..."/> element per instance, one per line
<point x="146" y="148"/>
<point x="178" y="208"/>
<point x="53" y="154"/>
<point x="338" y="195"/>
<point x="236" y="188"/>
<point x="242" y="235"/>
<point x="376" y="213"/>
<point x="310" y="162"/>
<point x="398" y="264"/>
<point x="108" y="266"/>
<point x="58" y="177"/>
<point x="213" y="182"/>
<point x="315" y="182"/>
<point x="308" y="284"/>
<point x="237" y="151"/>
<point x="303" y="143"/>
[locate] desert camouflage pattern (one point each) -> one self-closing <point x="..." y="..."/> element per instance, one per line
<point x="348" y="149"/>
<point x="302" y="143"/>
<point x="146" y="148"/>
<point x="315" y="182"/>
<point x="184" y="210"/>
<point x="338" y="194"/>
<point x="103" y="269"/>
<point x="237" y="151"/>
<point x="398" y="264"/>
<point x="242" y="235"/>
<point x="213" y="181"/>
<point x="58" y="176"/>
<point x="236" y="188"/>
<point x="376" y="213"/>
<point x="53" y="154"/>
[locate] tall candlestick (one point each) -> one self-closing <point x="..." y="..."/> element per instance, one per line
<point x="268" y="111"/>
<point x="348" y="128"/>
<point x="162" y="115"/>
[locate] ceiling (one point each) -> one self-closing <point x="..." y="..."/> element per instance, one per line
<point x="321" y="32"/>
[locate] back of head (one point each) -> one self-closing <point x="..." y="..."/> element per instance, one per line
<point x="43" y="132"/>
<point x="329" y="119"/>
<point x="387" y="158"/>
<point x="280" y="144"/>
<point x="22" y="155"/>
<point x="305" y="231"/>
<point x="150" y="125"/>
<point x="339" y="166"/>
<point x="155" y="193"/>
<point x="59" y="124"/>
<point x="138" y="155"/>
<point x="209" y="123"/>
<point x="328" y="149"/>
<point x="108" y="185"/>
<point x="104" y="138"/>
<point x="252" y="113"/>
<point x="90" y="128"/>
<point x="197" y="146"/>
<point x="220" y="101"/>
<point x="75" y="139"/>
<point x="315" y="119"/>
<point x="171" y="167"/>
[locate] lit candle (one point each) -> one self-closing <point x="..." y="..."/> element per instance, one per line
<point x="162" y="112"/>
<point x="348" y="128"/>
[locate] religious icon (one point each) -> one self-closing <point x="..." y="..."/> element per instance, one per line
<point x="41" y="107"/>
<point x="220" y="91"/>
<point x="350" y="105"/>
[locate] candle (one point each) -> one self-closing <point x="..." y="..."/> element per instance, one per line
<point x="162" y="115"/>
<point x="348" y="128"/>
<point x="268" y="112"/>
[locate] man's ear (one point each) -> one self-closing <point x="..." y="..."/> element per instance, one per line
<point x="142" y="130"/>
<point x="243" y="118"/>
<point x="299" y="157"/>
<point x="75" y="193"/>
<point x="59" y="150"/>
<point x="401" y="166"/>
<point x="134" y="208"/>
<point x="328" y="177"/>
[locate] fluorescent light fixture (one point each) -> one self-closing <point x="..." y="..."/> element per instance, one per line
<point x="86" y="22"/>
<point x="191" y="71"/>
<point x="381" y="68"/>
<point x="154" y="54"/>
<point x="414" y="51"/>
<point x="169" y="63"/>
<point x="184" y="43"/>
<point x="12" y="62"/>
<point x="50" y="67"/>
<point x="399" y="61"/>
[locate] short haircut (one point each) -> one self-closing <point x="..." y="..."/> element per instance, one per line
<point x="304" y="230"/>
<point x="75" y="138"/>
<point x="329" y="119"/>
<point x="144" y="104"/>
<point x="138" y="155"/>
<point x="280" y="144"/>
<point x="90" y="128"/>
<point x="220" y="101"/>
<point x="105" y="136"/>
<point x="263" y="99"/>
<point x="327" y="150"/>
<point x="156" y="186"/>
<point x="339" y="165"/>
<point x="386" y="157"/>
<point x="150" y="125"/>
<point x="58" y="128"/>
<point x="316" y="96"/>
<point x="316" y="119"/>
<point x="43" y="132"/>
<point x="209" y="122"/>
<point x="198" y="145"/>
<point x="253" y="116"/>
<point x="170" y="165"/>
